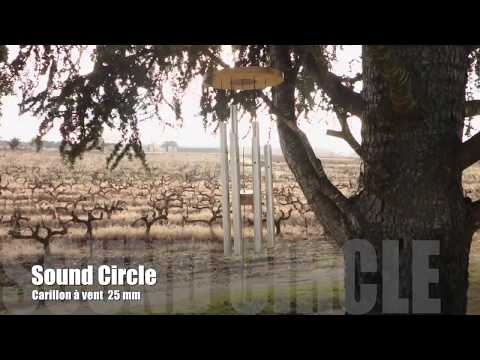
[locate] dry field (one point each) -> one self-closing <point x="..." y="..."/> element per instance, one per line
<point x="171" y="219"/>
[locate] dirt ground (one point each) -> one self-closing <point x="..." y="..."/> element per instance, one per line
<point x="301" y="278"/>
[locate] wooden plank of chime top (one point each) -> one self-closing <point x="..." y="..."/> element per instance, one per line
<point x="244" y="78"/>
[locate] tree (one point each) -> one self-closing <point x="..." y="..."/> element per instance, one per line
<point x="411" y="148"/>
<point x="88" y="221"/>
<point x="39" y="232"/>
<point x="37" y="143"/>
<point x="413" y="105"/>
<point x="14" y="143"/>
<point x="148" y="219"/>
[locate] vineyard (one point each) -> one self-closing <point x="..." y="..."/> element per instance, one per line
<point x="46" y="205"/>
<point x="169" y="216"/>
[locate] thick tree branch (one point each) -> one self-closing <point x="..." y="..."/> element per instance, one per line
<point x="340" y="95"/>
<point x="345" y="133"/>
<point x="335" y="133"/>
<point x="331" y="207"/>
<point x="336" y="213"/>
<point x="472" y="108"/>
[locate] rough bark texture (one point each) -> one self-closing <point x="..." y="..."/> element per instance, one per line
<point x="412" y="182"/>
<point x="412" y="186"/>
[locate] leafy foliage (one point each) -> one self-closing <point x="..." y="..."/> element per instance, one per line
<point x="5" y="84"/>
<point x="125" y="87"/>
<point x="129" y="84"/>
<point x="132" y="83"/>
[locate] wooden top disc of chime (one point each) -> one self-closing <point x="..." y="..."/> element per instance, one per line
<point x="244" y="78"/>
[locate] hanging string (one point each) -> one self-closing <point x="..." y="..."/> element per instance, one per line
<point x="248" y="132"/>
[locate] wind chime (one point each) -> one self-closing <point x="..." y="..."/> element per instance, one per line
<point x="244" y="79"/>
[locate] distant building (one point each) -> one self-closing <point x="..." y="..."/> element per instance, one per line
<point x="169" y="146"/>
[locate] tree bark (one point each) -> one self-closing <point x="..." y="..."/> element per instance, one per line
<point x="412" y="182"/>
<point x="412" y="186"/>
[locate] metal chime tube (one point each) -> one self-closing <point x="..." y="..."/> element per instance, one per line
<point x="269" y="198"/>
<point x="235" y="174"/>
<point x="257" y="187"/>
<point x="227" y="236"/>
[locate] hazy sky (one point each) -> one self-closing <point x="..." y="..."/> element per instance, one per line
<point x="192" y="134"/>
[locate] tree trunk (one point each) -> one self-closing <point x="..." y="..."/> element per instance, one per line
<point x="147" y="236"/>
<point x="278" y="229"/>
<point x="46" y="248"/>
<point x="149" y="243"/>
<point x="90" y="238"/>
<point x="412" y="184"/>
